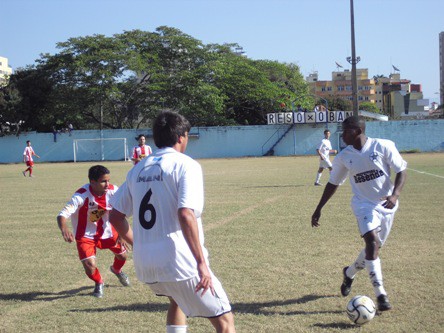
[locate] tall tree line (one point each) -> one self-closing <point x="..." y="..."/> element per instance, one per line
<point x="123" y="81"/>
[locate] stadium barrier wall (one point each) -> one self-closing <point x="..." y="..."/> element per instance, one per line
<point x="234" y="141"/>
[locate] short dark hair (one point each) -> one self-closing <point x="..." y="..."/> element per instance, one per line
<point x="97" y="171"/>
<point x="139" y="136"/>
<point x="354" y="122"/>
<point x="168" y="127"/>
<point x="326" y="131"/>
<point x="28" y="141"/>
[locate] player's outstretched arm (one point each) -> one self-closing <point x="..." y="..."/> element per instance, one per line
<point x="119" y="222"/>
<point x="329" y="190"/>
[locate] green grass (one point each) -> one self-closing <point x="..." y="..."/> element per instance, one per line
<point x="280" y="274"/>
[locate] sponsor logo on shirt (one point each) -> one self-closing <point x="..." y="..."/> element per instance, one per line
<point x="367" y="176"/>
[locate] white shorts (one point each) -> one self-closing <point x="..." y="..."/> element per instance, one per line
<point x="325" y="164"/>
<point x="192" y="303"/>
<point x="370" y="219"/>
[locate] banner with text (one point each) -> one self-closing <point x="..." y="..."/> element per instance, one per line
<point x="307" y="117"/>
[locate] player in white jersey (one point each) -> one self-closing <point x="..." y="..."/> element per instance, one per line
<point x="141" y="150"/>
<point x="367" y="162"/>
<point x="164" y="193"/>
<point x="89" y="212"/>
<point x="27" y="158"/>
<point x="324" y="151"/>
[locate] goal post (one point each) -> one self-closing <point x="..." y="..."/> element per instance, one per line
<point x="110" y="149"/>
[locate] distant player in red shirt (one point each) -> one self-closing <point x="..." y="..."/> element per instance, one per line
<point x="89" y="211"/>
<point x="140" y="151"/>
<point x="27" y="158"/>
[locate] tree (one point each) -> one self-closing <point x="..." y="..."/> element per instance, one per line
<point x="369" y="106"/>
<point x="123" y="81"/>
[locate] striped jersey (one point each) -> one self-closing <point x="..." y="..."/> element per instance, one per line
<point x="28" y="154"/>
<point x="141" y="151"/>
<point x="90" y="213"/>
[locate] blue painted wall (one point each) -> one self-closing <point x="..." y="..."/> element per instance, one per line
<point x="217" y="142"/>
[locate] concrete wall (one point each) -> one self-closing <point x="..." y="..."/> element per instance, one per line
<point x="217" y="142"/>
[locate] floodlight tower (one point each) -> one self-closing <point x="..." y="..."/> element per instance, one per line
<point x="353" y="60"/>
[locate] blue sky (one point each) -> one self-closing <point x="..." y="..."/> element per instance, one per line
<point x="313" y="34"/>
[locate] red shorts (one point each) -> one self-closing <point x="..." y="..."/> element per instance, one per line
<point x="29" y="163"/>
<point x="87" y="247"/>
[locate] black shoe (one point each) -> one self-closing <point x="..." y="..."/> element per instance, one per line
<point x="98" y="290"/>
<point x="383" y="303"/>
<point x="318" y="184"/>
<point x="346" y="283"/>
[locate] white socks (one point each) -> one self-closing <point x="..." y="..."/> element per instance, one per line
<point x="318" y="177"/>
<point x="176" y="329"/>
<point x="374" y="271"/>
<point x="358" y="265"/>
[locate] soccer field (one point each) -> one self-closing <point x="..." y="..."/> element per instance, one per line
<point x="279" y="273"/>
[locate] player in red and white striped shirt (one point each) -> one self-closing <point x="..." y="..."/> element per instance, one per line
<point x="27" y="158"/>
<point x="140" y="151"/>
<point x="89" y="211"/>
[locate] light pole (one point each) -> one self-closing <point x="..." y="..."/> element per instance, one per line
<point x="353" y="60"/>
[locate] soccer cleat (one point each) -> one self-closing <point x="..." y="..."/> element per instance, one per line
<point x="346" y="283"/>
<point x="383" y="303"/>
<point x="123" y="278"/>
<point x="24" y="173"/>
<point x="318" y="184"/>
<point x="98" y="290"/>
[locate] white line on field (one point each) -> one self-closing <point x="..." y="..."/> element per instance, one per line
<point x="425" y="173"/>
<point x="240" y="213"/>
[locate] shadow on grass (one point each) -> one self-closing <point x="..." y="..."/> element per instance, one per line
<point x="142" y="307"/>
<point x="342" y="326"/>
<point x="261" y="307"/>
<point x="43" y="296"/>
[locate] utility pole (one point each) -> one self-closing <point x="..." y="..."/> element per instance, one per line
<point x="353" y="60"/>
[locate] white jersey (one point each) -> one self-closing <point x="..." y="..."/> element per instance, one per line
<point x="154" y="190"/>
<point x="324" y="148"/>
<point x="90" y="213"/>
<point x="369" y="172"/>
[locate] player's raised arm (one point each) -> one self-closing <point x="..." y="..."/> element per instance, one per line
<point x="329" y="190"/>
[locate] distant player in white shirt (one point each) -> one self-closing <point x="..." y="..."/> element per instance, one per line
<point x="367" y="162"/>
<point x="27" y="158"/>
<point x="141" y="150"/>
<point x="324" y="151"/>
<point x="164" y="194"/>
<point x="88" y="210"/>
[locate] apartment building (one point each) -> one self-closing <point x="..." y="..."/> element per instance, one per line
<point x="5" y="70"/>
<point x="395" y="97"/>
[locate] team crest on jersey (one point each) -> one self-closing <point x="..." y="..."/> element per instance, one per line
<point x="374" y="156"/>
<point x="95" y="215"/>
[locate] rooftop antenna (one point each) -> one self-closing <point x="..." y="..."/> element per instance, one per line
<point x="395" y="68"/>
<point x="338" y="65"/>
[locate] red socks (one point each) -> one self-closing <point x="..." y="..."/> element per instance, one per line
<point x="96" y="277"/>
